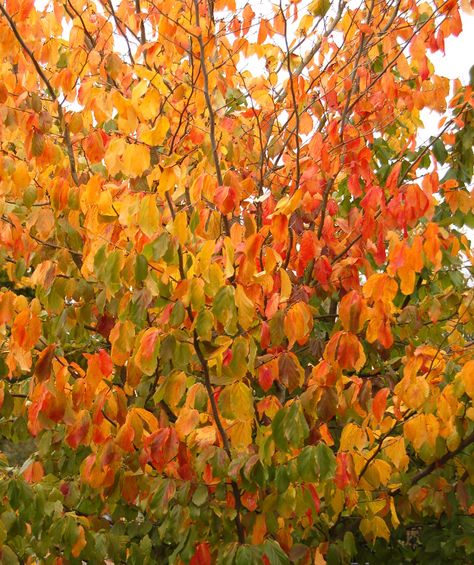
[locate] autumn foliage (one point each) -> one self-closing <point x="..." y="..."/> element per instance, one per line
<point x="236" y="310"/>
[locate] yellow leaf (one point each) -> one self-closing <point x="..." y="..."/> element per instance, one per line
<point x="180" y="227"/>
<point x="150" y="104"/>
<point x="204" y="257"/>
<point x="423" y="428"/>
<point x="147" y="417"/>
<point x="393" y="514"/>
<point x="139" y="90"/>
<point x="240" y="433"/>
<point x="203" y="437"/>
<point x="353" y="437"/>
<point x="156" y="135"/>
<point x="407" y="280"/>
<point x="21" y="176"/>
<point x="114" y="154"/>
<point x="174" y="387"/>
<point x="374" y="528"/>
<point x="229" y="257"/>
<point x="219" y="346"/>
<point x="383" y="469"/>
<point x="467" y="377"/>
<point x="167" y="181"/>
<point x="149" y="216"/>
<point x="394" y="449"/>
<point x="136" y="160"/>
<point x="105" y="205"/>
<point x="245" y="308"/>
<point x="287" y="204"/>
<point x="121" y="338"/>
<point x="236" y="401"/>
<point x="413" y="391"/>
<point x="285" y="286"/>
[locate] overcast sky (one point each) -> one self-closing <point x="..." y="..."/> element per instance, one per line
<point x="459" y="53"/>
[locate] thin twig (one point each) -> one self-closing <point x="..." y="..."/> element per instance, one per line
<point x="212" y="117"/>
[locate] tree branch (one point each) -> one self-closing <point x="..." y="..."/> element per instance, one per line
<point x="439" y="462"/>
<point x="212" y="118"/>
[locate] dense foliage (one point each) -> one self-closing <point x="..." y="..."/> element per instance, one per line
<point x="236" y="317"/>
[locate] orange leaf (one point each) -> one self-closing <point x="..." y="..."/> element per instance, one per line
<point x="146" y="357"/>
<point x="80" y="543"/>
<point x="79" y="431"/>
<point x="34" y="472"/>
<point x="298" y="323"/>
<point x="226" y="198"/>
<point x="162" y="447"/>
<point x="259" y="529"/>
<point x="345" y="350"/>
<point x="352" y="312"/>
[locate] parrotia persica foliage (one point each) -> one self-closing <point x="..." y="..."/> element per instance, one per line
<point x="236" y="317"/>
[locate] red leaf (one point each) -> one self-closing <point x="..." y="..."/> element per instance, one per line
<point x="314" y="496"/>
<point x="226" y="198"/>
<point x="202" y="555"/>
<point x="265" y="378"/>
<point x="163" y="447"/>
<point x="249" y="500"/>
<point x="342" y="478"/>
<point x="265" y="336"/>
<point x="105" y="363"/>
<point x="104" y="325"/>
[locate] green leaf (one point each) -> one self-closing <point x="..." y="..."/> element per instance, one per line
<point x="289" y="427"/>
<point x="307" y="464"/>
<point x="439" y="151"/>
<point x="8" y="556"/>
<point x="326" y="462"/>
<point x="297" y="429"/>
<point x="62" y="61"/>
<point x="112" y="272"/>
<point x="278" y="430"/>
<point x="157" y="248"/>
<point x="349" y="544"/>
<point x="204" y="325"/>
<point x="248" y="555"/>
<point x="177" y="314"/>
<point x="282" y="479"/>
<point x="141" y="268"/>
<point x="225" y="310"/>
<point x="226" y="555"/>
<point x="275" y="553"/>
<point x="200" y="495"/>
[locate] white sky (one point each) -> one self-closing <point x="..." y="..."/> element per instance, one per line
<point x="454" y="64"/>
<point x="459" y="53"/>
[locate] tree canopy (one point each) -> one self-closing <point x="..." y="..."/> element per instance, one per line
<point x="236" y="304"/>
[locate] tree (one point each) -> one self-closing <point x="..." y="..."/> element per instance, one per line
<point x="236" y="307"/>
